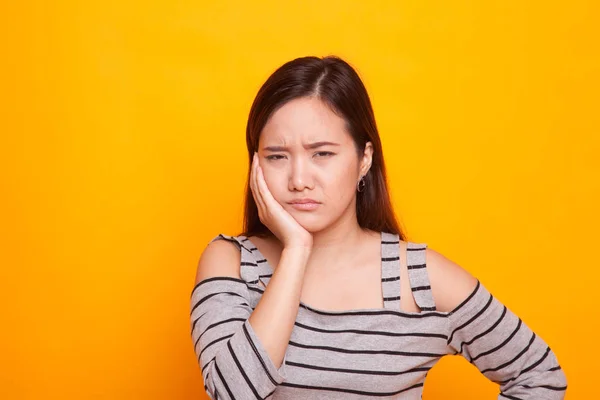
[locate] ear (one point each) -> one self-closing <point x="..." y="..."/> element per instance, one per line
<point x="366" y="160"/>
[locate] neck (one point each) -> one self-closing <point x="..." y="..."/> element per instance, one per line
<point x="339" y="243"/>
<point x="343" y="237"/>
<point x="339" y="236"/>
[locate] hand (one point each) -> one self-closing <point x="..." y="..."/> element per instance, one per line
<point x="283" y="225"/>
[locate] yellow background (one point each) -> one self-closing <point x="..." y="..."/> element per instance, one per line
<point x="123" y="154"/>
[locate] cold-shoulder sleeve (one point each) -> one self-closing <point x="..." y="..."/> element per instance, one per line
<point x="233" y="361"/>
<point x="505" y="349"/>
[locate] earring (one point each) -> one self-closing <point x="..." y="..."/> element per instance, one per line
<point x="358" y="186"/>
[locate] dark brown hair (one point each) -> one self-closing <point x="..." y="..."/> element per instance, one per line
<point x="338" y="85"/>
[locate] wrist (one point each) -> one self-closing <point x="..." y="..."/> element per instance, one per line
<point x="297" y="250"/>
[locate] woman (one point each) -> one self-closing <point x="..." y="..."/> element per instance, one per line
<point x="321" y="296"/>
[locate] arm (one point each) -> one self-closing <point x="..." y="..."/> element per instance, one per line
<point x="494" y="339"/>
<point x="240" y="351"/>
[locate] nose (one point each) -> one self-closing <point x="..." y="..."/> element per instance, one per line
<point x="300" y="176"/>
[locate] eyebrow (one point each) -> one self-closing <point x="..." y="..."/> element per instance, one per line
<point x="306" y="146"/>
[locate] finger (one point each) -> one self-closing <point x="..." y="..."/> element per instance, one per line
<point x="266" y="195"/>
<point x="252" y="179"/>
<point x="256" y="192"/>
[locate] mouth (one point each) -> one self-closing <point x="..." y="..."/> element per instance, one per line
<point x="305" y="206"/>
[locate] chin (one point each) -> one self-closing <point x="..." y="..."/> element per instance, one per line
<point x="312" y="223"/>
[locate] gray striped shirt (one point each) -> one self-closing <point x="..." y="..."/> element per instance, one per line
<point x="365" y="353"/>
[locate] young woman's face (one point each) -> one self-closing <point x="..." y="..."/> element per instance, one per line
<point x="306" y="152"/>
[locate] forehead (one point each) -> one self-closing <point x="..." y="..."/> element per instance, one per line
<point x="304" y="120"/>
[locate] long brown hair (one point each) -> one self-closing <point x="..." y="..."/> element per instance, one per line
<point x="338" y="85"/>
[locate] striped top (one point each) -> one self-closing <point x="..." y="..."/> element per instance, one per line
<point x="363" y="353"/>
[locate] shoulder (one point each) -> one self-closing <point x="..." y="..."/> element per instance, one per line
<point x="219" y="258"/>
<point x="450" y="283"/>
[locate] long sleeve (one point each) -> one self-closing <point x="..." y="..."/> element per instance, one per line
<point x="505" y="349"/>
<point x="233" y="361"/>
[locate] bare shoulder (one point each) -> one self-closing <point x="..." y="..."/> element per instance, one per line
<point x="219" y="258"/>
<point x="450" y="283"/>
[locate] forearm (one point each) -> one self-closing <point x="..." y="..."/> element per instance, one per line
<point x="274" y="316"/>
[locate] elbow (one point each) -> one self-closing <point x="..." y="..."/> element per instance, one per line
<point x="559" y="383"/>
<point x="209" y="377"/>
<point x="554" y="379"/>
<point x="550" y="384"/>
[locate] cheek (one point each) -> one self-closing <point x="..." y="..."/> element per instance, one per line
<point x="275" y="183"/>
<point x="340" y="186"/>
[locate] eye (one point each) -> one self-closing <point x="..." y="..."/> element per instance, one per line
<point x="276" y="157"/>
<point x="325" y="153"/>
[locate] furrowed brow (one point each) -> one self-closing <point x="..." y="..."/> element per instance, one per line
<point x="314" y="145"/>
